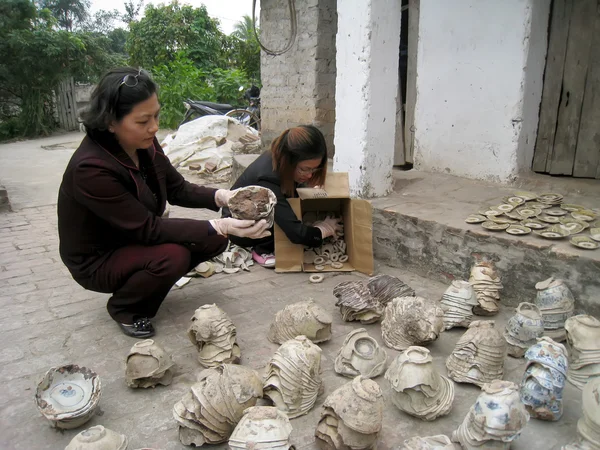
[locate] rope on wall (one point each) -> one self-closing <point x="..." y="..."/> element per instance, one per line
<point x="294" y="23"/>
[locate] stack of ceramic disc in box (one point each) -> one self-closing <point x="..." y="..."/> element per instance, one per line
<point x="487" y="286"/>
<point x="332" y="251"/>
<point x="583" y="335"/>
<point x="357" y="303"/>
<point x="385" y="288"/>
<point x="556" y="302"/>
<point x="148" y="365"/>
<point x="458" y="302"/>
<point x="479" y="355"/>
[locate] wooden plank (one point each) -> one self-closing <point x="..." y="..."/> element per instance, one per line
<point x="576" y="67"/>
<point x="587" y="156"/>
<point x="411" y="78"/>
<point x="553" y="76"/>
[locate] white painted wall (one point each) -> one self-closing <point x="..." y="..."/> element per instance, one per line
<point x="480" y="65"/>
<point x="367" y="43"/>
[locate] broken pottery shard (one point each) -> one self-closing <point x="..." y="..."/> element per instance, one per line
<point x="479" y="355"/>
<point x="360" y="355"/>
<point x="148" y="365"/>
<point x="357" y="303"/>
<point x="417" y="388"/>
<point x="210" y="410"/>
<point x="301" y="319"/>
<point x="523" y="329"/>
<point x="439" y="442"/>
<point x="98" y="438"/>
<point x="556" y="302"/>
<point x="293" y="379"/>
<point x="411" y="321"/>
<point x="457" y="303"/>
<point x="262" y="427"/>
<point x="352" y="416"/>
<point x="253" y="203"/>
<point x="583" y="336"/>
<point x="385" y="288"/>
<point x="214" y="335"/>
<point x="495" y="420"/>
<point x="486" y="283"/>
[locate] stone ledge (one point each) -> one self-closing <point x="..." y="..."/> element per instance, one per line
<point x="4" y="200"/>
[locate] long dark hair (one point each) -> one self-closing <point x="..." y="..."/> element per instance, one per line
<point x="117" y="93"/>
<point x="294" y="145"/>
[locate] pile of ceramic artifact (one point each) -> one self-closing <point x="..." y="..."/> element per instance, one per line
<point x="457" y="303"/>
<point x="262" y="427"/>
<point x="486" y="283"/>
<point x="360" y="355"/>
<point x="98" y="438"/>
<point x="556" y="302"/>
<point x="523" y="329"/>
<point x="478" y="356"/>
<point x="385" y="288"/>
<point x="439" y="442"/>
<point x="232" y="260"/>
<point x="357" y="303"/>
<point x="332" y="251"/>
<point x="293" y="379"/>
<point x="546" y="214"/>
<point x="305" y="318"/>
<point x="216" y="403"/>
<point x="495" y="420"/>
<point x="411" y="321"/>
<point x="352" y="416"/>
<point x="583" y="336"/>
<point x="417" y="388"/>
<point x="544" y="379"/>
<point x="214" y="335"/>
<point x="588" y="426"/>
<point x="253" y="203"/>
<point x="148" y="365"/>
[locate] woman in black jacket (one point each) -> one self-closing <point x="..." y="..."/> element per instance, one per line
<point x="298" y="157"/>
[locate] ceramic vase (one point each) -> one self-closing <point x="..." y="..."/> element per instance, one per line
<point x="583" y="336"/>
<point x="486" y="283"/>
<point x="98" y="438"/>
<point x="351" y="417"/>
<point x="439" y="442"/>
<point x="148" y="365"/>
<point x="385" y="288"/>
<point x="411" y="321"/>
<point x="293" y="379"/>
<point x="523" y="329"/>
<point x="357" y="303"/>
<point x="262" y="427"/>
<point x="417" y="388"/>
<point x="360" y="355"/>
<point x="556" y="302"/>
<point x="457" y="303"/>
<point x="479" y="355"/>
<point x="305" y="318"/>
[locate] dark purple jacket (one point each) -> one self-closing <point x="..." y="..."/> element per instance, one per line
<point x="104" y="204"/>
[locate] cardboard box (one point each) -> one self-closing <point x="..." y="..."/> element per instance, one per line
<point x="358" y="227"/>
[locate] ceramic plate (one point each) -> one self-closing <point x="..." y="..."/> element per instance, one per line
<point x="518" y="230"/>
<point x="548" y="219"/>
<point x="489" y="225"/>
<point x="575" y="226"/>
<point x="538" y="205"/>
<point x="505" y="207"/>
<point x="584" y="242"/>
<point x="555" y="212"/>
<point x="595" y="234"/>
<point x="552" y="233"/>
<point x="569" y="207"/>
<point x="475" y="218"/>
<point x="514" y="200"/>
<point x="584" y="214"/>
<point x="514" y="215"/>
<point x="526" y="195"/>
<point x="501" y="219"/>
<point x="534" y="224"/>
<point x="550" y="197"/>
<point x="490" y="211"/>
<point x="526" y="211"/>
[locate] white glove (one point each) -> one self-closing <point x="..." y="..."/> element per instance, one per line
<point x="329" y="227"/>
<point x="242" y="228"/>
<point x="222" y="197"/>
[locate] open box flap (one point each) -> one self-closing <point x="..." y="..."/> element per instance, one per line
<point x="336" y="185"/>
<point x="288" y="256"/>
<point x="360" y="249"/>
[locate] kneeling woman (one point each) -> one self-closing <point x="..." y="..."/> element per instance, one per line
<point x="298" y="157"/>
<point x="113" y="194"/>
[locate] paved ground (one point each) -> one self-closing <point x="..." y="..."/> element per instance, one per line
<point x="48" y="320"/>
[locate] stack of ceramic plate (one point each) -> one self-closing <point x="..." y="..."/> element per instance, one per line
<point x="588" y="426"/>
<point x="262" y="427"/>
<point x="148" y="365"/>
<point x="438" y="442"/>
<point x="550" y="199"/>
<point x="357" y="303"/>
<point x="457" y="303"/>
<point x="556" y="302"/>
<point x="487" y="286"/>
<point x="523" y="329"/>
<point x="583" y="335"/>
<point x="98" y="438"/>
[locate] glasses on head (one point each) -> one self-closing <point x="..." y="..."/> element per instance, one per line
<point x="130" y="80"/>
<point x="303" y="171"/>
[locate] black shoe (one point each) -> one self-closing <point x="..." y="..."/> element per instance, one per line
<point x="140" y="329"/>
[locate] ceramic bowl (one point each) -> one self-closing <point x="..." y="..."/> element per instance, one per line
<point x="534" y="224"/>
<point x="518" y="230"/>
<point x="98" y="438"/>
<point x="527" y="195"/>
<point x="514" y="200"/>
<point x="556" y="211"/>
<point x="253" y="203"/>
<point x="570" y="207"/>
<point x="505" y="207"/>
<point x="502" y="219"/>
<point x="493" y="226"/>
<point x="584" y="242"/>
<point x="262" y="427"/>
<point x="552" y="233"/>
<point x="548" y="219"/>
<point x="595" y="234"/>
<point x="490" y="211"/>
<point x="584" y="214"/>
<point x="527" y="211"/>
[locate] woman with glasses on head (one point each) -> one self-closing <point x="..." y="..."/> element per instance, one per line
<point x="298" y="157"/>
<point x="111" y="199"/>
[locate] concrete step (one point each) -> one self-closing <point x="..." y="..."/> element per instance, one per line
<point x="421" y="227"/>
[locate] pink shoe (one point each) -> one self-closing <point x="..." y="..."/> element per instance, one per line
<point x="266" y="259"/>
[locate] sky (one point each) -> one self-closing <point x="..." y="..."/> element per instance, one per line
<point x="227" y="11"/>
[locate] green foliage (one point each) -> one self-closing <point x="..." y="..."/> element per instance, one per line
<point x="244" y="50"/>
<point x="68" y="13"/>
<point x="226" y="85"/>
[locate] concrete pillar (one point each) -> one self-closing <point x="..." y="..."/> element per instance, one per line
<point x="368" y="41"/>
<point x="480" y="66"/>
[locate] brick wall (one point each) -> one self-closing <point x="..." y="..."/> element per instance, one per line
<point x="298" y="86"/>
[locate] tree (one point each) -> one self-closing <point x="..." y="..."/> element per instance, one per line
<point x="244" y="49"/>
<point x="132" y="10"/>
<point x="69" y="13"/>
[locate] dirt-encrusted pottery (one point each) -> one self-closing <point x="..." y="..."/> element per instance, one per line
<point x="417" y="388"/>
<point x="515" y="199"/>
<point x="305" y="318"/>
<point x="584" y="242"/>
<point x="493" y="226"/>
<point x="553" y="232"/>
<point x="556" y="211"/>
<point x="479" y="354"/>
<point x="357" y="303"/>
<point x="556" y="302"/>
<point x="528" y="211"/>
<point x="148" y="365"/>
<point x="588" y="426"/>
<point x="457" y="303"/>
<point x="351" y="417"/>
<point x="573" y="226"/>
<point x="544" y="379"/>
<point x="518" y="230"/>
<point x="550" y="198"/>
<point x="584" y="214"/>
<point x="495" y="420"/>
<point x="505" y="207"/>
<point x="360" y="355"/>
<point x="476" y="218"/>
<point x="293" y="379"/>
<point x="98" y="438"/>
<point x="385" y="288"/>
<point x="253" y="203"/>
<point x="214" y="335"/>
<point x="210" y="410"/>
<point x="262" y="428"/>
<point x="439" y="442"/>
<point x="68" y="396"/>
<point x="411" y="321"/>
<point x="583" y="336"/>
<point x="523" y="329"/>
<point x="549" y="219"/>
<point x="534" y="224"/>
<point x="487" y="285"/>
